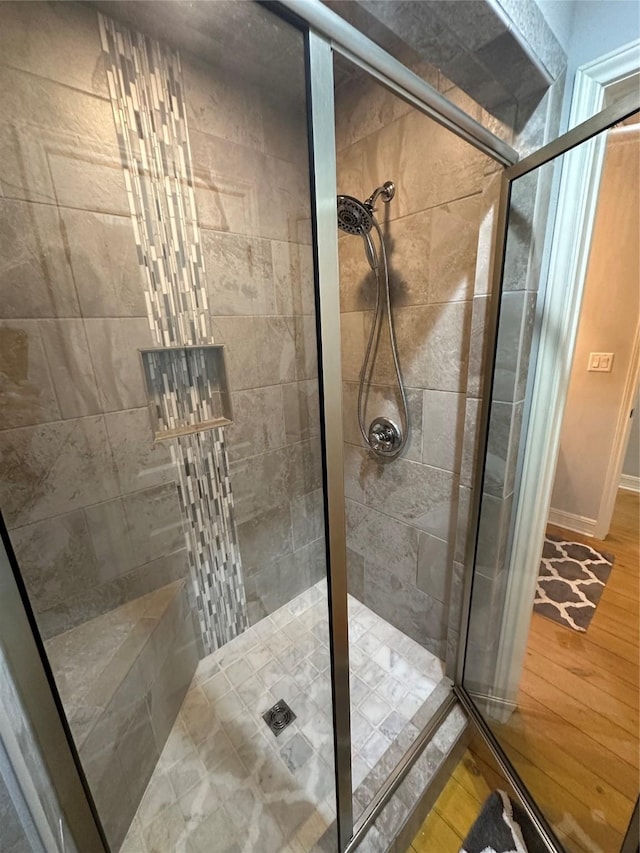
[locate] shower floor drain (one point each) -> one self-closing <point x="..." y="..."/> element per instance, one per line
<point x="278" y="717"/>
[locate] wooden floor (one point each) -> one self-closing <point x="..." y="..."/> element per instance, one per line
<point x="456" y="809"/>
<point x="574" y="736"/>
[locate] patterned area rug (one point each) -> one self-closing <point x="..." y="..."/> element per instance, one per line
<point x="496" y="829"/>
<point x="571" y="580"/>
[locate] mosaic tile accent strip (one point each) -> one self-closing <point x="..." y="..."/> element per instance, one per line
<point x="145" y="85"/>
<point x="205" y="494"/>
<point x="147" y="96"/>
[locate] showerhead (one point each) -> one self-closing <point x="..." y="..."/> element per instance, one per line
<point x="354" y="217"/>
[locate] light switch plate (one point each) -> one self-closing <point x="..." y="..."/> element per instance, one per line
<point x="600" y="362"/>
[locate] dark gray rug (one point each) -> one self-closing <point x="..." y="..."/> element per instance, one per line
<point x="571" y="580"/>
<point x="496" y="829"/>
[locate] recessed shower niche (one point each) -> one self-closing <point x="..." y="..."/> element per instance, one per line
<point x="187" y="389"/>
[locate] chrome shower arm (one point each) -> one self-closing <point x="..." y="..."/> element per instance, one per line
<point x="387" y="191"/>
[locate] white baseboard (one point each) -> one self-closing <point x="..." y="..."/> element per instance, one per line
<point x="630" y="483"/>
<point x="577" y="523"/>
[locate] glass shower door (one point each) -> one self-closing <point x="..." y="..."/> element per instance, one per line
<point x="160" y="459"/>
<point x="552" y="644"/>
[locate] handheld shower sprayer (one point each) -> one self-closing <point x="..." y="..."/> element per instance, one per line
<point x="385" y="438"/>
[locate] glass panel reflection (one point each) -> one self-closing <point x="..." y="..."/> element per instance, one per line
<point x="423" y="237"/>
<point x="566" y="709"/>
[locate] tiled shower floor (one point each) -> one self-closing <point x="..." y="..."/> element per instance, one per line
<point x="224" y="783"/>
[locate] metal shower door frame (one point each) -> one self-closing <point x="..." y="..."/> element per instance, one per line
<point x="327" y="34"/>
<point x="583" y="132"/>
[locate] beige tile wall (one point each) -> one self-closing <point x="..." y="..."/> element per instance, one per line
<point x="90" y="501"/>
<point x="402" y="515"/>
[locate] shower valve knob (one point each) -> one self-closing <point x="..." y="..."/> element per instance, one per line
<point x="385" y="437"/>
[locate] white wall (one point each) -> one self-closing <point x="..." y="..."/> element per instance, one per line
<point x="587" y="30"/>
<point x="600" y="26"/>
<point x="596" y="28"/>
<point x="608" y="321"/>
<point x="559" y="14"/>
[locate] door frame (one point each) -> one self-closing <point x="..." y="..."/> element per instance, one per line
<point x="519" y="606"/>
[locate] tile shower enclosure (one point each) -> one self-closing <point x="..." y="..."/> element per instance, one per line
<point x="99" y="184"/>
<point x="165" y="205"/>
<point x="92" y="503"/>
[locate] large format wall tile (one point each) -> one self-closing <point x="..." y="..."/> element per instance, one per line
<point x="384" y="401"/>
<point x="210" y="106"/>
<point x="265" y="537"/>
<point x="355" y="472"/>
<point x="104" y="261"/>
<point x="56" y="558"/>
<point x="113" y="344"/>
<point x="285" y="212"/>
<point x="431" y="229"/>
<point x="357" y="279"/>
<point x="433" y="344"/>
<point x="72" y="152"/>
<point x="301" y="404"/>
<point x="443" y="427"/>
<point x="240" y="189"/>
<point x="41" y="40"/>
<point x="307" y="518"/>
<point x="419" y="495"/>
<point x="433" y="566"/>
<point x="139" y="462"/>
<point x="280" y="344"/>
<point x="240" y="273"/>
<point x="364" y="108"/>
<point x="35" y="276"/>
<point x="258" y="422"/>
<point x="292" y="265"/>
<point x="402" y="151"/>
<point x="421" y="617"/>
<point x="27" y="395"/>
<point x="383" y="540"/>
<point x="155" y="522"/>
<point x="81" y="261"/>
<point x="225" y="185"/>
<point x="512" y="307"/>
<point x="98" y="599"/>
<point x="55" y="468"/>
<point x="241" y="357"/>
<point x="283" y="579"/>
<point x="109" y="531"/>
<point x="272" y="478"/>
<point x="354" y="331"/>
<point x="454" y="250"/>
<point x="408" y="243"/>
<point x="71" y="367"/>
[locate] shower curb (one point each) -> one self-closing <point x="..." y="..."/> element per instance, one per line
<point x="401" y="817"/>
